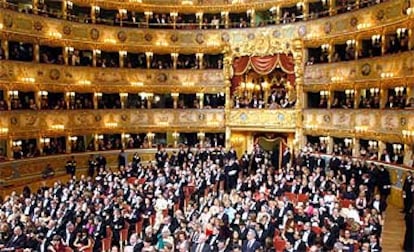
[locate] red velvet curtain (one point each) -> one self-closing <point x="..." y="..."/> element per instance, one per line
<point x="263" y="65"/>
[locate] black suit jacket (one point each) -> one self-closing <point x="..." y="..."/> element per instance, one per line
<point x="16" y="242"/>
<point x="255" y="245"/>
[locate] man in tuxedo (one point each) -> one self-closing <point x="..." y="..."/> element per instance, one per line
<point x="68" y="235"/>
<point x="384" y="182"/>
<point x="286" y="157"/>
<point x="299" y="245"/>
<point x="71" y="166"/>
<point x="99" y="233"/>
<point x="406" y="192"/>
<point x="251" y="244"/>
<point x="17" y="241"/>
<point x="308" y="236"/>
<point x="201" y="245"/>
<point x="373" y="244"/>
<point x="328" y="239"/>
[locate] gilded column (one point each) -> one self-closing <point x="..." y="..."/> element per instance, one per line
<point x="228" y="74"/>
<point x="355" y="147"/>
<point x="332" y="7"/>
<point x="66" y="56"/>
<point x="175" y="99"/>
<point x="278" y="14"/>
<point x="305" y="10"/>
<point x="36" y="53"/>
<point x="252" y="18"/>
<point x="93" y="13"/>
<point x="5" y="46"/>
<point x="226" y="19"/>
<point x="64" y="10"/>
<point x="381" y="147"/>
<point x="35" y="6"/>
<point x="9" y="147"/>
<point x="383" y="97"/>
<point x="299" y="73"/>
<point x="408" y="153"/>
<point x="94" y="56"/>
<point x="174" y="57"/>
<point x="38" y="99"/>
<point x="329" y="98"/>
<point x="228" y="138"/>
<point x="68" y="144"/>
<point x="122" y="55"/>
<point x="329" y="145"/>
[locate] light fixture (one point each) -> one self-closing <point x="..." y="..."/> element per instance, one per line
<point x="111" y="124"/>
<point x="69" y="5"/>
<point x="373" y="144"/>
<point x="126" y="136"/>
<point x="188" y="84"/>
<point x="325" y="47"/>
<point x="399" y="90"/>
<point x="17" y="143"/>
<point x="98" y="94"/>
<point x="58" y="126"/>
<point x="199" y="56"/>
<point x="374" y="91"/>
<point x="4" y="130"/>
<point x="13" y="94"/>
<point x="122" y="53"/>
<point x="348" y="142"/>
<point x="73" y="138"/>
<point x="201" y="135"/>
<point x="174" y="14"/>
<point x="148" y="13"/>
<point x="110" y="41"/>
<point x="408" y="135"/>
<point x="149" y="55"/>
<point x="97" y="9"/>
<point x="123" y="95"/>
<point x="100" y="137"/>
<point x="70" y="49"/>
<point x="45" y="140"/>
<point x="385" y="75"/>
<point x="187" y="2"/>
<point x="175" y="95"/>
<point x="375" y="38"/>
<point x="97" y="51"/>
<point x="349" y="93"/>
<point x="137" y="83"/>
<point x="323" y="139"/>
<point x="174" y="55"/>
<point x="299" y="5"/>
<point x="350" y="42"/>
<point x="199" y="15"/>
<point x="273" y="9"/>
<point x="123" y="12"/>
<point x="363" y="26"/>
<point x="397" y="148"/>
<point x="56" y="35"/>
<point x="250" y="12"/>
<point x="200" y="95"/>
<point x="43" y="94"/>
<point x="150" y="136"/>
<point x="361" y="129"/>
<point x="28" y="79"/>
<point x="71" y="94"/>
<point x="84" y="82"/>
<point x="175" y="135"/>
<point x="224" y="13"/>
<point x="401" y="32"/>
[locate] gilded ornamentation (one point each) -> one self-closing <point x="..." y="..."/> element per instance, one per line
<point x="354" y="21"/>
<point x="200" y="38"/>
<point x="250" y="36"/>
<point x="270" y="119"/>
<point x="380" y="15"/>
<point x="174" y="38"/>
<point x="328" y="27"/>
<point x="276" y="33"/>
<point x="94" y="33"/>
<point x="366" y="69"/>
<point x="67" y="29"/>
<point x="122" y="36"/>
<point x="8" y="21"/>
<point x="225" y="37"/>
<point x="54" y="74"/>
<point x="38" y="26"/>
<point x="302" y="30"/>
<point x="148" y="37"/>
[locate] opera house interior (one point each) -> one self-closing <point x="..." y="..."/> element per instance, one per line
<point x="206" y="125"/>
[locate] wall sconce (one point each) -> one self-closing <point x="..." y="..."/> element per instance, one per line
<point x="175" y="135"/>
<point x="126" y="136"/>
<point x="98" y="94"/>
<point x="73" y="138"/>
<point x="143" y="95"/>
<point x="71" y="94"/>
<point x="224" y="14"/>
<point x="299" y="5"/>
<point x="122" y="53"/>
<point x="373" y="144"/>
<point x="45" y="140"/>
<point x="337" y="78"/>
<point x="56" y="35"/>
<point x="401" y="32"/>
<point x="148" y="13"/>
<point x="325" y="47"/>
<point x="350" y="42"/>
<point x="97" y="9"/>
<point x="58" y="127"/>
<point x="97" y="52"/>
<point x="387" y="75"/>
<point x="174" y="55"/>
<point x="324" y="94"/>
<point x="376" y="38"/>
<point x="348" y="142"/>
<point x="410" y="11"/>
<point x="100" y="137"/>
<point x="69" y="5"/>
<point x="399" y="90"/>
<point x="273" y="9"/>
<point x="324" y="2"/>
<point x="28" y="79"/>
<point x="70" y="49"/>
<point x="123" y="95"/>
<point x="408" y="135"/>
<point x="17" y="143"/>
<point x="200" y="95"/>
<point x="174" y="15"/>
<point x="84" y="82"/>
<point x="150" y="136"/>
<point x="175" y="95"/>
<point x="43" y="94"/>
<point x="137" y="83"/>
<point x="149" y="55"/>
<point x="250" y="12"/>
<point x="4" y="130"/>
<point x="201" y="136"/>
<point x="13" y="94"/>
<point x="397" y="148"/>
<point x="199" y="56"/>
<point x="111" y="124"/>
<point x="122" y="12"/>
<point x="374" y="91"/>
<point x="199" y="15"/>
<point x="361" y="129"/>
<point x="349" y="93"/>
<point x="323" y="140"/>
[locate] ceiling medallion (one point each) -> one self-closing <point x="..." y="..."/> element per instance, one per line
<point x="37" y="25"/>
<point x="122" y="36"/>
<point x="148" y="37"/>
<point x="328" y="27"/>
<point x="94" y="34"/>
<point x="67" y="29"/>
<point x="199" y="38"/>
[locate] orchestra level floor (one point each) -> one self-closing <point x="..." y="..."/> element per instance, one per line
<point x="394" y="229"/>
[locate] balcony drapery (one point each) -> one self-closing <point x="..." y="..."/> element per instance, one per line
<point x="263" y="65"/>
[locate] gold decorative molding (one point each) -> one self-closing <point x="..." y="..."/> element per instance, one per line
<point x="263" y="119"/>
<point x="67" y="78"/>
<point x="363" y="71"/>
<point x="385" y="125"/>
<point x="38" y="29"/>
<point x="81" y="122"/>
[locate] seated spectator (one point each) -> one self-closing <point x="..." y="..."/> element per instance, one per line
<point x="48" y="171"/>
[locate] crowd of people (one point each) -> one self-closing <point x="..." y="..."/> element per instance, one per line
<point x="206" y="200"/>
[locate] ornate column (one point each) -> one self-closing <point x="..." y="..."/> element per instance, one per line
<point x="225" y="16"/>
<point x="332" y="6"/>
<point x="124" y="99"/>
<point x="94" y="11"/>
<point x="355" y="147"/>
<point x="200" y="57"/>
<point x="199" y="18"/>
<point x="96" y="97"/>
<point x="200" y="97"/>
<point x="148" y="56"/>
<point x="38" y="98"/>
<point x="35" y="6"/>
<point x="228" y="74"/>
<point x="122" y="56"/>
<point x="174" y="57"/>
<point x="252" y="14"/>
<point x="278" y="14"/>
<point x="64" y="10"/>
<point x="383" y="97"/>
<point x="228" y="138"/>
<point x="381" y="147"/>
<point x="329" y="144"/>
<point x="95" y="53"/>
<point x="9" y="147"/>
<point x="408" y="153"/>
<point x="68" y="143"/>
<point x="150" y="97"/>
<point x="305" y="10"/>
